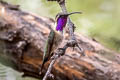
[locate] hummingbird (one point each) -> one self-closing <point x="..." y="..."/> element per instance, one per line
<point x="55" y="37"/>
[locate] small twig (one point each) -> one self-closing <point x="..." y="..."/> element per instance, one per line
<point x="50" y="67"/>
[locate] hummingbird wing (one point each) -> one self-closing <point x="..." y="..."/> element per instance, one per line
<point x="48" y="47"/>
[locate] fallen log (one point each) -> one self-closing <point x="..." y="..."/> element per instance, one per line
<point x="22" y="39"/>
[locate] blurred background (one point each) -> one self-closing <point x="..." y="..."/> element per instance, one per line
<point x="100" y="20"/>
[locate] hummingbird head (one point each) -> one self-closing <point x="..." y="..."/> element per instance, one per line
<point x="61" y="19"/>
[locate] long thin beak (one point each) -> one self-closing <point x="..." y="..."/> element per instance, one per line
<point x="74" y="13"/>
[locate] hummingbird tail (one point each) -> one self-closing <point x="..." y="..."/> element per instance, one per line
<point x="74" y="13"/>
<point x="41" y="68"/>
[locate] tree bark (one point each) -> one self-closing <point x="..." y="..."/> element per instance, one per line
<point x="22" y="39"/>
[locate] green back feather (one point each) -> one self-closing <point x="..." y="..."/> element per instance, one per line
<point x="49" y="44"/>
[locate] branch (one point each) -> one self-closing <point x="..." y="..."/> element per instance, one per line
<point x="50" y="67"/>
